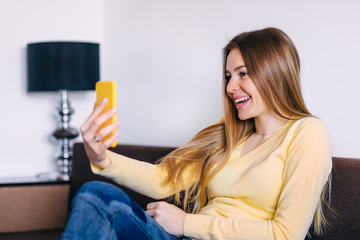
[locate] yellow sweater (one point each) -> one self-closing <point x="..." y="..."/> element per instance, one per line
<point x="269" y="193"/>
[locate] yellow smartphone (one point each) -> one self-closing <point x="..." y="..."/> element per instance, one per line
<point x="107" y="89"/>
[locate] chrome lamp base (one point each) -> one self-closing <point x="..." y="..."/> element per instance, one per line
<point x="65" y="134"/>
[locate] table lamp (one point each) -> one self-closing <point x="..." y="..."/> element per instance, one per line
<point x="63" y="67"/>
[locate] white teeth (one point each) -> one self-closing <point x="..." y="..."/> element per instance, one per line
<point x="241" y="100"/>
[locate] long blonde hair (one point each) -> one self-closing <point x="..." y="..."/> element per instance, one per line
<point x="274" y="66"/>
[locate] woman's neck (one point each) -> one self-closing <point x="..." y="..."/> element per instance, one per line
<point x="268" y="124"/>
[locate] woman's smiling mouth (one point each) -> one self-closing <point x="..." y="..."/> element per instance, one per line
<point x="242" y="100"/>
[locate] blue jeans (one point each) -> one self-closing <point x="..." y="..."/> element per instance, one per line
<point x="103" y="211"/>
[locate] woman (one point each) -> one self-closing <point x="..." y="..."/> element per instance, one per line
<point x="256" y="174"/>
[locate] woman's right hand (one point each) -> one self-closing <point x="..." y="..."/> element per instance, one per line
<point x="93" y="135"/>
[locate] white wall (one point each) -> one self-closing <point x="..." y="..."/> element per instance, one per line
<point x="166" y="57"/>
<point x="27" y="120"/>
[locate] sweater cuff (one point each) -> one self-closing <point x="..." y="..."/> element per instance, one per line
<point x="194" y="226"/>
<point x="98" y="170"/>
<point x="95" y="169"/>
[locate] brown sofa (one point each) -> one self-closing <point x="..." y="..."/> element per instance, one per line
<point x="344" y="220"/>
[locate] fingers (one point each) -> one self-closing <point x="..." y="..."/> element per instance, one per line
<point x="108" y="142"/>
<point x="93" y="132"/>
<point x="100" y="120"/>
<point x="89" y="132"/>
<point x="95" y="141"/>
<point x="151" y="209"/>
<point x="98" y="109"/>
<point x="155" y="207"/>
<point x="151" y="205"/>
<point x="170" y="217"/>
<point x="103" y="132"/>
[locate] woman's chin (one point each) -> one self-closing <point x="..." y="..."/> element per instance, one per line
<point x="243" y="117"/>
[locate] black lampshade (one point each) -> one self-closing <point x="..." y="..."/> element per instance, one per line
<point x="52" y="66"/>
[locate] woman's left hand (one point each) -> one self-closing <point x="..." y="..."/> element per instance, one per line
<point x="170" y="217"/>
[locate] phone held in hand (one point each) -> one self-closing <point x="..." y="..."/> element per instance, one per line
<point x="107" y="89"/>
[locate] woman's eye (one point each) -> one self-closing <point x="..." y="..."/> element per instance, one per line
<point x="243" y="74"/>
<point x="227" y="78"/>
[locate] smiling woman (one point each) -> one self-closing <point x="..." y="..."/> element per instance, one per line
<point x="258" y="173"/>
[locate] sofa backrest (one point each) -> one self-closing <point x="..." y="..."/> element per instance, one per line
<point x="345" y="190"/>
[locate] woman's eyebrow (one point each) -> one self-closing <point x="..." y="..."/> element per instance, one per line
<point x="237" y="68"/>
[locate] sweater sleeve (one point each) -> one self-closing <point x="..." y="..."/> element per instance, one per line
<point x="142" y="177"/>
<point x="306" y="170"/>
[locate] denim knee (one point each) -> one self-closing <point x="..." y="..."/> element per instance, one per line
<point x="94" y="186"/>
<point x="99" y="187"/>
<point x="100" y="190"/>
<point x="109" y="198"/>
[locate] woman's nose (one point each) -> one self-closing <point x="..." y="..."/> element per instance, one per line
<point x="232" y="85"/>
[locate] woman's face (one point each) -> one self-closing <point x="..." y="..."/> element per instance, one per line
<point x="241" y="89"/>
